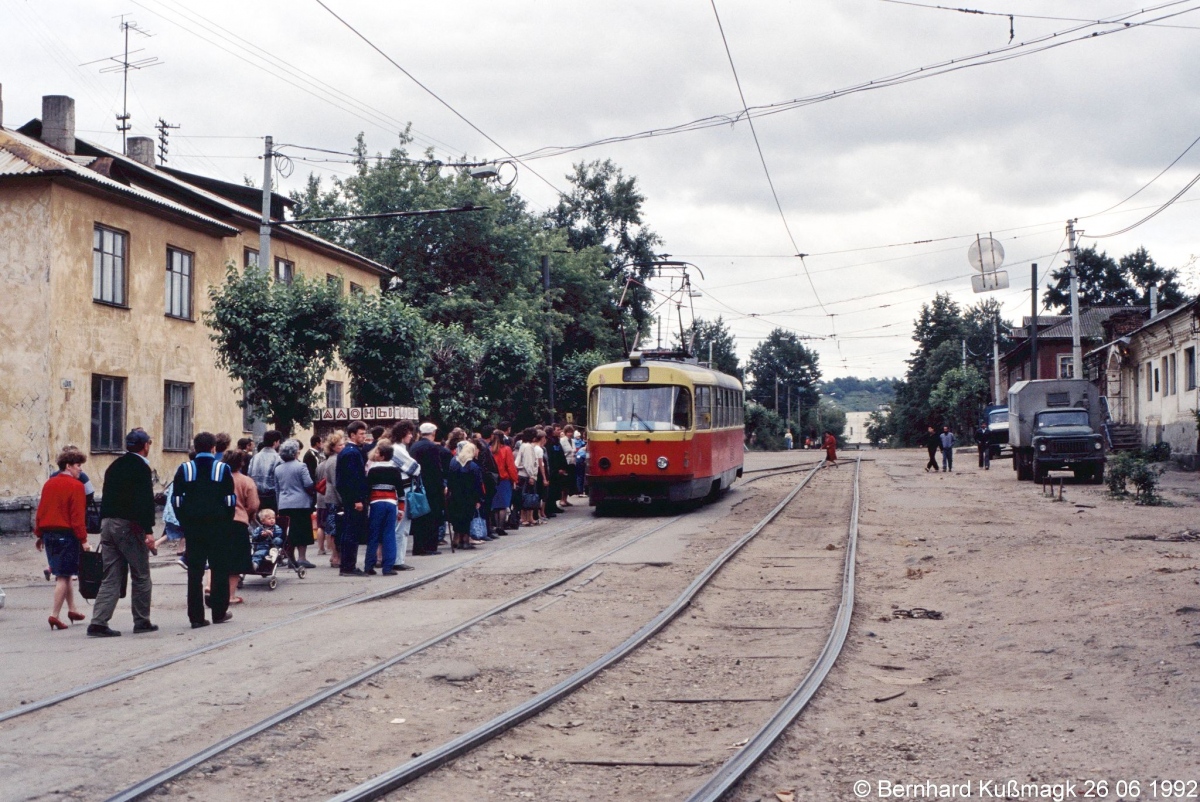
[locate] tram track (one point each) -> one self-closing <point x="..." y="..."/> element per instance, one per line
<point x="74" y="713"/>
<point x="332" y="605"/>
<point x="516" y="760"/>
<point x="173" y="773"/>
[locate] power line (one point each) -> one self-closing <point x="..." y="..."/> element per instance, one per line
<point x="762" y="158"/>
<point x="1020" y="49"/>
<point x="437" y="97"/>
<point x="1152" y="214"/>
<point x="312" y="85"/>
<point x="1017" y="16"/>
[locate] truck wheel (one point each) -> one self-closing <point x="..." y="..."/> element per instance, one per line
<point x="1024" y="467"/>
<point x="1098" y="475"/>
<point x="1039" y="474"/>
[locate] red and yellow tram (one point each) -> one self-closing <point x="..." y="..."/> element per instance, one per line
<point x="662" y="430"/>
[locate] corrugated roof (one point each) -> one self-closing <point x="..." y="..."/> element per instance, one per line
<point x="250" y="216"/>
<point x="25" y="156"/>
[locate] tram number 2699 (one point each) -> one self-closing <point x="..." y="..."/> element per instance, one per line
<point x="635" y="459"/>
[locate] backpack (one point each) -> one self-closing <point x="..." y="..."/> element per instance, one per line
<point x="199" y="493"/>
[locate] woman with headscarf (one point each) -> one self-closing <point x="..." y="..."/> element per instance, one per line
<point x="465" y="482"/>
<point x="294" y="488"/>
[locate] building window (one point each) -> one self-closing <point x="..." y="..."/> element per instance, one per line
<point x="109" y="249"/>
<point x="356" y="289"/>
<point x="179" y="284"/>
<point x="1156" y="384"/>
<point x="285" y="271"/>
<point x="249" y="258"/>
<point x="177" y="417"/>
<point x="334" y="281"/>
<point x="1189" y="368"/>
<point x="1151" y="381"/>
<point x="248" y="417"/>
<point x="1172" y="380"/>
<point x="1066" y="366"/>
<point x="108" y="413"/>
<point x="333" y="395"/>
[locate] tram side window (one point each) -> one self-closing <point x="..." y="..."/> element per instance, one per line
<point x="703" y="407"/>
<point x="683" y="409"/>
<point x="725" y="405"/>
<point x="718" y="408"/>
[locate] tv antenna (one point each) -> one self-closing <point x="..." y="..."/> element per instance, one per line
<point x="164" y="132"/>
<point x="122" y="64"/>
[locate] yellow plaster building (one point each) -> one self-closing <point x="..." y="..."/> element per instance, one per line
<point x="106" y="262"/>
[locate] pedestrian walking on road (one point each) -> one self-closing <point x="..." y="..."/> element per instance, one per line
<point x="830" y="445"/>
<point x="61" y="529"/>
<point x="946" y="439"/>
<point x="126" y="536"/>
<point x="985" y="448"/>
<point x="296" y="490"/>
<point x="932" y="444"/>
<point x="384" y="480"/>
<point x="205" y="500"/>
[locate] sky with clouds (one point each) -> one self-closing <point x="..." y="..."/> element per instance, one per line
<point x="890" y="144"/>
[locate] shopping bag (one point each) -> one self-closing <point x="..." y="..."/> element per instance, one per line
<point x="91" y="517"/>
<point x="530" y="500"/>
<point x="479" y="528"/>
<point x="416" y="503"/>
<point x="91" y="574"/>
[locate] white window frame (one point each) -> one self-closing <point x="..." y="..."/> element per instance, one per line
<point x="110" y="259"/>
<point x="179" y="281"/>
<point x="179" y="407"/>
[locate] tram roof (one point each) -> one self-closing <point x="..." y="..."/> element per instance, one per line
<point x="664" y="371"/>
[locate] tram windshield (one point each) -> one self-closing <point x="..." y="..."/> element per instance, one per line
<point x="647" y="408"/>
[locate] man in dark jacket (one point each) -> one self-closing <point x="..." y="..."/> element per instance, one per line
<point x="932" y="444"/>
<point x="204" y="501"/>
<point x="433" y="458"/>
<point x="351" y="481"/>
<point x="126" y="536"/>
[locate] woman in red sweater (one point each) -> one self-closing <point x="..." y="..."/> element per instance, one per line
<point x="62" y="530"/>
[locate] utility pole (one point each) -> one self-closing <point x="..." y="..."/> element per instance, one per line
<point x="964" y="352"/>
<point x="1076" y="348"/>
<point x="549" y="337"/>
<point x="164" y="129"/>
<point x="789" y="404"/>
<point x="776" y="393"/>
<point x="996" y="359"/>
<point x="1033" y="333"/>
<point x="264" y="229"/>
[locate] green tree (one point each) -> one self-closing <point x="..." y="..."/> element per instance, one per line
<point x="716" y="333"/>
<point x="384" y="352"/>
<point x="764" y="428"/>
<point x="455" y="360"/>
<point x="510" y="360"/>
<point x="957" y="399"/>
<point x="603" y="209"/>
<point x="879" y="427"/>
<point x="278" y="340"/>
<point x="1104" y="281"/>
<point x="570" y="378"/>
<point x="782" y="357"/>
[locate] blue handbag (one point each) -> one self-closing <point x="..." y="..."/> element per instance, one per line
<point x="478" y="528"/>
<point x="416" y="503"/>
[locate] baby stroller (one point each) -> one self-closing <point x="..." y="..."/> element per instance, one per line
<point x="268" y="561"/>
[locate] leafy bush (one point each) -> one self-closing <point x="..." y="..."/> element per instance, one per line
<point x="764" y="428"/>
<point x="1125" y="468"/>
<point x="1120" y="466"/>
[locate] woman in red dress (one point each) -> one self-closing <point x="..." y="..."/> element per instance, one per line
<point x="830" y="444"/>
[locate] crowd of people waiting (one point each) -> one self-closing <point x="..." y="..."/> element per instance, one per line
<point x="237" y="511"/>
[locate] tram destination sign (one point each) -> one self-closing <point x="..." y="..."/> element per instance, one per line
<point x="338" y="414"/>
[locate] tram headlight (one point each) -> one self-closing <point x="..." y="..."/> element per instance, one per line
<point x="662" y="463"/>
<point x="605" y="463"/>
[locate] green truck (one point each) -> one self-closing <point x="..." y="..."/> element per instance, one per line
<point x="1055" y="425"/>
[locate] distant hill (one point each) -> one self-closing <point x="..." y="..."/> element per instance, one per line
<point x="859" y="395"/>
